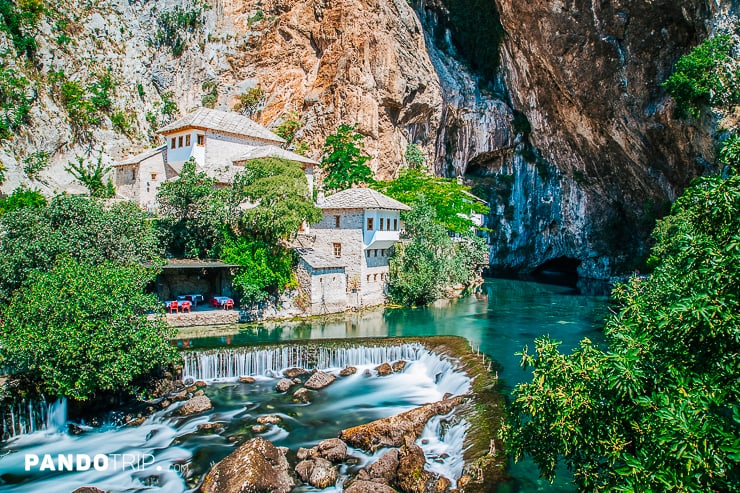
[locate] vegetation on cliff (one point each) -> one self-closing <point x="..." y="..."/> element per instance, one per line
<point x="343" y="164"/>
<point x="657" y="410"/>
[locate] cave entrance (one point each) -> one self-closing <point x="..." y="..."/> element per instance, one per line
<point x="561" y="270"/>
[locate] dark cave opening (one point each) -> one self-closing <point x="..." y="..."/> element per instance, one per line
<point x="561" y="270"/>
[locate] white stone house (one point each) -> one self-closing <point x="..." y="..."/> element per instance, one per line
<point x="344" y="258"/>
<point x="219" y="142"/>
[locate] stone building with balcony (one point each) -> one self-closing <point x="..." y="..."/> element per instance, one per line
<point x="220" y="143"/>
<point x="344" y="257"/>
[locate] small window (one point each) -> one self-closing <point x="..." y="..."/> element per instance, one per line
<point x="336" y="221"/>
<point x="375" y="277"/>
<point x="154" y="176"/>
<point x="187" y="140"/>
<point x="147" y="187"/>
<point x="376" y="252"/>
<point x="368" y="253"/>
<point x="370" y="224"/>
<point x="382" y="276"/>
<point x="172" y="144"/>
<point x="200" y="139"/>
<point x="337" y="249"/>
<point x="381" y="224"/>
<point x="179" y="141"/>
<point x="368" y="278"/>
<point x="395" y="225"/>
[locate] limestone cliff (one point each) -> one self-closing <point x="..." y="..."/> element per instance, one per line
<point x="552" y="110"/>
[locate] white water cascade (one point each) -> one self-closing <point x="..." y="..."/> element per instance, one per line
<point x="219" y="364"/>
<point x="32" y="415"/>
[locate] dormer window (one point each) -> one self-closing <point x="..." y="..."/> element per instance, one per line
<point x="179" y="141"/>
<point x="172" y="143"/>
<point x="200" y="139"/>
<point x="187" y="140"/>
<point x="370" y="224"/>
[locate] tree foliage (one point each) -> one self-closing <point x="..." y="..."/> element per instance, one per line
<point x="265" y="267"/>
<point x="453" y="203"/>
<point x="193" y="213"/>
<point x="422" y="268"/>
<point x="31" y="239"/>
<point x="80" y="328"/>
<point x="708" y="75"/>
<point x="659" y="408"/>
<point x="271" y="200"/>
<point x="343" y="164"/>
<point x="414" y="157"/>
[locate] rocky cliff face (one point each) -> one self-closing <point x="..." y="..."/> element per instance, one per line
<point x="552" y="110"/>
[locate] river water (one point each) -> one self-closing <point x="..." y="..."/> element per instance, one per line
<point x="501" y="319"/>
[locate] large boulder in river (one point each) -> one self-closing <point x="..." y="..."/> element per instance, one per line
<point x="294" y="372"/>
<point x="197" y="404"/>
<point x="399" y="366"/>
<point x="88" y="489"/>
<point x="317" y="472"/>
<point x="384" y="369"/>
<point x="349" y="370"/>
<point x="390" y="432"/>
<point x="319" y="380"/>
<point x="412" y="478"/>
<point x="332" y="449"/>
<point x="257" y="466"/>
<point x="384" y="470"/>
<point x="284" y="385"/>
<point x="368" y="487"/>
<point x="302" y="395"/>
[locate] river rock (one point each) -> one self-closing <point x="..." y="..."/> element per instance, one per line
<point x="384" y="470"/>
<point x="284" y="385"/>
<point x="368" y="487"/>
<point x="317" y="472"/>
<point x="200" y="384"/>
<point x="212" y="427"/>
<point x="294" y="372"/>
<point x="332" y="449"/>
<point x="197" y="404"/>
<point x="390" y="432"/>
<point x="350" y="370"/>
<point x="302" y="395"/>
<point x="412" y="478"/>
<point x="255" y="467"/>
<point x="88" y="489"/>
<point x="399" y="366"/>
<point x="247" y="379"/>
<point x="259" y="428"/>
<point x="269" y="419"/>
<point x="319" y="380"/>
<point x="384" y="369"/>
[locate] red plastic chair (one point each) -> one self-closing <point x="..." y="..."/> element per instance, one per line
<point x="214" y="302"/>
<point x="185" y="306"/>
<point x="173" y="306"/>
<point x="229" y="304"/>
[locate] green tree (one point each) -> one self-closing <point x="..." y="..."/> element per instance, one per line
<point x="193" y="213"/>
<point x="91" y="176"/>
<point x="422" y="268"/>
<point x="265" y="267"/>
<point x="270" y="200"/>
<point x="20" y="198"/>
<point x="343" y="164"/>
<point x="659" y="408"/>
<point x="288" y="127"/>
<point x="81" y="328"/>
<point x="85" y="229"/>
<point x="452" y="201"/>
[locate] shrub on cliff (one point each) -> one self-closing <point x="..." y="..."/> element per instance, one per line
<point x="80" y="328"/>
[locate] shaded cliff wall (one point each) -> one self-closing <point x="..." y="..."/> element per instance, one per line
<point x="583" y="151"/>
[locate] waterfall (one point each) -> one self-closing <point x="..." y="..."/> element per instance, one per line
<point x="31" y="415"/>
<point x="237" y="362"/>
